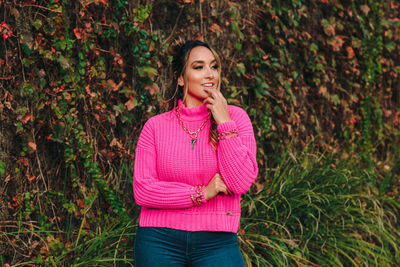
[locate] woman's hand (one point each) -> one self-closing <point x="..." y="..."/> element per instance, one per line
<point x="216" y="186"/>
<point x="217" y="105"/>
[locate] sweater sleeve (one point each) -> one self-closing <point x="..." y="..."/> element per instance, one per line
<point x="148" y="190"/>
<point x="237" y="155"/>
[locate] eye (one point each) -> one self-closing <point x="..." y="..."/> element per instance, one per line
<point x="215" y="67"/>
<point x="198" y="67"/>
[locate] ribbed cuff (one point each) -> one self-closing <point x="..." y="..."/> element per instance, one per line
<point x="226" y="126"/>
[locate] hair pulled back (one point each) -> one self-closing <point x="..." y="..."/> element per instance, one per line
<point x="180" y="52"/>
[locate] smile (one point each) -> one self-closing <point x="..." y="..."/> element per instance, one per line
<point x="208" y="84"/>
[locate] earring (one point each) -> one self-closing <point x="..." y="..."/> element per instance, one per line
<point x="180" y="81"/>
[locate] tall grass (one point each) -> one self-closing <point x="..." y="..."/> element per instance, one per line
<point x="110" y="245"/>
<point x="319" y="211"/>
<point x="313" y="210"/>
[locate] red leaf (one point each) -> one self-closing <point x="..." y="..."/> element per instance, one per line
<point x="365" y="9"/>
<point x="115" y="142"/>
<point x="308" y="36"/>
<point x="336" y="42"/>
<point x="32" y="145"/>
<point x="215" y="28"/>
<point x="113" y="86"/>
<point x="350" y="52"/>
<point x="80" y="203"/>
<point x="26" y="118"/>
<point x="77" y="33"/>
<point x="322" y="90"/>
<point x="130" y="104"/>
<point x="152" y="88"/>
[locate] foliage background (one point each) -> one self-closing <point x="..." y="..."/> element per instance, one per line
<point x="78" y="79"/>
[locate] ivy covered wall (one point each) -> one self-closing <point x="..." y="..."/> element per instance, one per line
<point x="78" y="79"/>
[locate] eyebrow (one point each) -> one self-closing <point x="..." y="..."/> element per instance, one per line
<point x="202" y="61"/>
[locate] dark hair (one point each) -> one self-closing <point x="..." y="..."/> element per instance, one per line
<point x="180" y="51"/>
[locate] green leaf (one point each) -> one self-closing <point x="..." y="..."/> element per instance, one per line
<point x="27" y="62"/>
<point x="27" y="88"/>
<point x="26" y="49"/>
<point x="42" y="82"/>
<point x="336" y="99"/>
<point x="27" y="39"/>
<point x="390" y="46"/>
<point x="314" y="47"/>
<point x="60" y="45"/>
<point x="63" y="62"/>
<point x="67" y="78"/>
<point x="240" y="69"/>
<point x="81" y="55"/>
<point x="2" y="168"/>
<point x="37" y="24"/>
<point x="147" y="71"/>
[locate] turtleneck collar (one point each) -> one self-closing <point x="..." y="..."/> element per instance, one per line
<point x="192" y="114"/>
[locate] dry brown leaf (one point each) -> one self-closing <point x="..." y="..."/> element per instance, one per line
<point x="130" y="104"/>
<point x="32" y="145"/>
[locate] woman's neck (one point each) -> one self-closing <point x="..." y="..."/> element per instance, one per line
<point x="192" y="102"/>
<point x="193" y="113"/>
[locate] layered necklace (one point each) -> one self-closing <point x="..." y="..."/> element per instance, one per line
<point x="193" y="135"/>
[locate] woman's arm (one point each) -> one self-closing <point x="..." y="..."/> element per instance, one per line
<point x="149" y="191"/>
<point x="237" y="154"/>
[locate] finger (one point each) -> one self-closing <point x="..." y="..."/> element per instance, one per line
<point x="228" y="192"/>
<point x="226" y="189"/>
<point x="209" y="100"/>
<point x="223" y="190"/>
<point x="208" y="91"/>
<point x="224" y="186"/>
<point x="218" y="95"/>
<point x="211" y="91"/>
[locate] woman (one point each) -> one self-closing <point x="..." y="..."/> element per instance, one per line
<point x="192" y="163"/>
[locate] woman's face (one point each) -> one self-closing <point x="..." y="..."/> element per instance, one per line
<point x="202" y="72"/>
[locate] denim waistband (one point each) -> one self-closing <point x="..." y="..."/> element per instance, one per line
<point x="158" y="244"/>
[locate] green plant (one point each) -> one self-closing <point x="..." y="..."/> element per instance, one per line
<point x="316" y="211"/>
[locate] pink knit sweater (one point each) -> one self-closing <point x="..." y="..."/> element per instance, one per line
<point x="166" y="169"/>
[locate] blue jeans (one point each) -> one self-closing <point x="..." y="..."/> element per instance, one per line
<point x="157" y="246"/>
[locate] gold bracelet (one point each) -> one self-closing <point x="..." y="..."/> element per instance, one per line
<point x="196" y="199"/>
<point x="191" y="196"/>
<point x="228" y="134"/>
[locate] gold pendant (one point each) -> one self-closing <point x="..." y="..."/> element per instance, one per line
<point x="193" y="142"/>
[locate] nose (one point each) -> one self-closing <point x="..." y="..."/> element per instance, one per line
<point x="210" y="73"/>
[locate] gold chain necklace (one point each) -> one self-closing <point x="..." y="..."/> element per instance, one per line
<point x="193" y="135"/>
